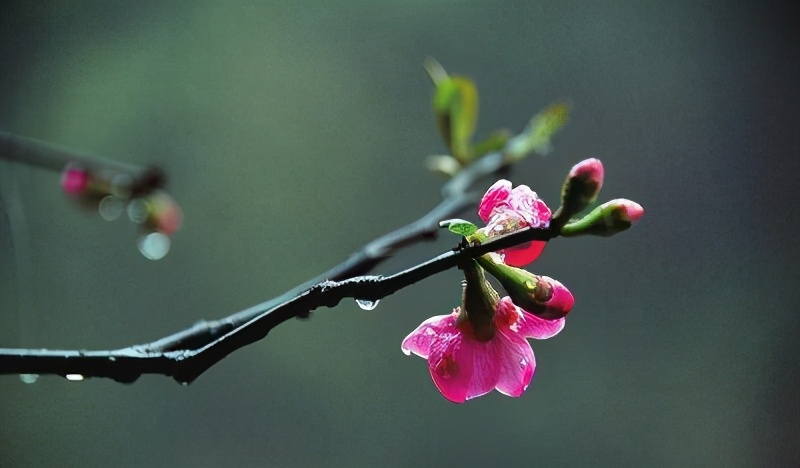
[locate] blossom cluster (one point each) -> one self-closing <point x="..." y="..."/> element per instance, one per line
<point x="482" y="345"/>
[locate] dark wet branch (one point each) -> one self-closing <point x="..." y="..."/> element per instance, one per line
<point x="185" y="365"/>
<point x="187" y="354"/>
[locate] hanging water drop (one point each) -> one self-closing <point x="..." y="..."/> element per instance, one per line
<point x="74" y="377"/>
<point x="29" y="378"/>
<point x="366" y="304"/>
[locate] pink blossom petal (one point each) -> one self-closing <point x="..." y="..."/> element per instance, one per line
<point x="485" y="366"/>
<point x="516" y="364"/>
<point x="527" y="204"/>
<point x="543" y="211"/>
<point x="451" y="365"/>
<point x="526" y="325"/>
<point x="419" y="341"/>
<point x="523" y="198"/>
<point x="537" y="328"/>
<point x="631" y="210"/>
<point x="523" y="254"/>
<point x="498" y="194"/>
<point x="560" y="303"/>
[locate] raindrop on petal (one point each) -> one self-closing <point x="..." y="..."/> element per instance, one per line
<point x="365" y="304"/>
<point x="29" y="378"/>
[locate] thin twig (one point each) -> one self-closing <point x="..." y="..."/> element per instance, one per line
<point x="143" y="179"/>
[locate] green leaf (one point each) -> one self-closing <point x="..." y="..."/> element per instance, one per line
<point x="455" y="104"/>
<point x="462" y="228"/>
<point x="536" y="136"/>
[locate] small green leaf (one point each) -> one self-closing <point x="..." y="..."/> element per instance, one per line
<point x="462" y="228"/>
<point x="435" y="70"/>
<point x="455" y="104"/>
<point x="536" y="136"/>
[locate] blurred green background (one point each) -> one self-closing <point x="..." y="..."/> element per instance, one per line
<point x="294" y="132"/>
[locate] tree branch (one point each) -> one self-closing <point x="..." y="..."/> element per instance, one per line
<point x="187" y="354"/>
<point x="55" y="158"/>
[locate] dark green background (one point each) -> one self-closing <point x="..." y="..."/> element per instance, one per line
<point x="294" y="132"/>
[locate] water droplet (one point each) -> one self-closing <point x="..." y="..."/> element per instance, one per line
<point x="74" y="377"/>
<point x="29" y="378"/>
<point x="137" y="211"/>
<point x="366" y="304"/>
<point x="154" y="245"/>
<point x="112" y="358"/>
<point x="185" y="384"/>
<point x="523" y="362"/>
<point x="110" y="207"/>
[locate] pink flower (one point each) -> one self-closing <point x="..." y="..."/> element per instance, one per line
<point x="505" y="210"/>
<point x="463" y="367"/>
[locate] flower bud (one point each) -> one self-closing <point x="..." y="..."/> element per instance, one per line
<point x="540" y="295"/>
<point x="606" y="220"/>
<point x="75" y="180"/>
<point x="581" y="188"/>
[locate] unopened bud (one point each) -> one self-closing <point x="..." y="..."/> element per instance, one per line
<point x="581" y="188"/>
<point x="75" y="180"/>
<point x="540" y="295"/>
<point x="606" y="220"/>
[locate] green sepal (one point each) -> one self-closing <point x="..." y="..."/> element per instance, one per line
<point x="605" y="221"/>
<point x="524" y="288"/>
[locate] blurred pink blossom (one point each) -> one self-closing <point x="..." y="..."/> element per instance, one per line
<point x="75" y="180"/>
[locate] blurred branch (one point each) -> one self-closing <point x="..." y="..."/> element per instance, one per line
<point x="187" y="354"/>
<point x="45" y="155"/>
